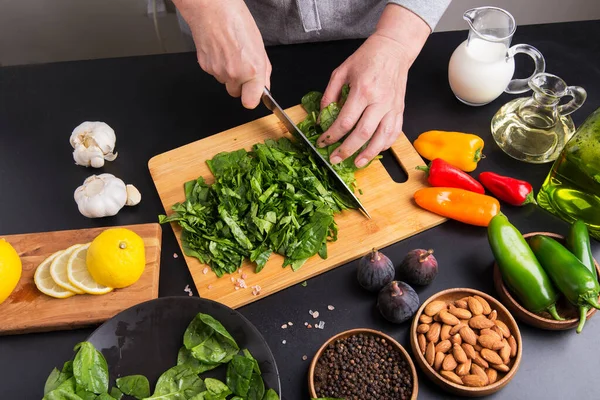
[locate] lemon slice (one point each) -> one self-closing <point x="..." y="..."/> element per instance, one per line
<point x="78" y="274"/>
<point x="58" y="269"/>
<point x="44" y="282"/>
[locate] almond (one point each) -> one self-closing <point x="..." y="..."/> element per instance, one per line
<point x="436" y="318"/>
<point x="449" y="363"/>
<point x="448" y="318"/>
<point x="474" y="380"/>
<point x="501" y="367"/>
<point x="503" y="328"/>
<point x="433" y="334"/>
<point x="479" y="371"/>
<point x="505" y="354"/>
<point x="492" y="375"/>
<point x="491" y="356"/>
<point x="459" y="354"/>
<point x="445" y="332"/>
<point x="490" y="342"/>
<point x="443" y="346"/>
<point x="480" y="322"/>
<point x="463" y="369"/>
<point x="425" y="319"/>
<point x="430" y="353"/>
<point x="435" y="307"/>
<point x="422" y="342"/>
<point x="456" y="339"/>
<point x="475" y="306"/>
<point x="481" y="362"/>
<point x="469" y="350"/>
<point x="460" y="313"/>
<point x="493" y="315"/>
<point x="439" y="358"/>
<point x="452" y="377"/>
<point x="477" y="347"/>
<point x="468" y="335"/>
<point x="497" y="330"/>
<point x="492" y="332"/>
<point x="461" y="304"/>
<point x="456" y="328"/>
<point x="512" y="342"/>
<point x="486" y="306"/>
<point x="423" y="328"/>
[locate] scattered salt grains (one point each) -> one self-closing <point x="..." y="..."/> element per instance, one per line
<point x="241" y="283"/>
<point x="320" y="325"/>
<point x="232" y="279"/>
<point x="209" y="287"/>
<point x="290" y="324"/>
<point x="188" y="290"/>
<point x="330" y="308"/>
<point x="205" y="270"/>
<point x="304" y="358"/>
<point x="237" y="288"/>
<point x="284" y="341"/>
<point x="239" y="271"/>
<point x="175" y="255"/>
<point x="244" y="275"/>
<point x="256" y="290"/>
<point x="306" y="324"/>
<point x="315" y="314"/>
<point x="284" y="326"/>
<point x="309" y="326"/>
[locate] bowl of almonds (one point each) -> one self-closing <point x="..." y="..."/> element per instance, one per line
<point x="466" y="342"/>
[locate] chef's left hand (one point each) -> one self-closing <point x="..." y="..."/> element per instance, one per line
<point x="377" y="74"/>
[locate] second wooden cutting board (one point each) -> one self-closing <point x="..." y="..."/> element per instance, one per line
<point x="395" y="215"/>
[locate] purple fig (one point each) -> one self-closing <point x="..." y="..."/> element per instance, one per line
<point x="419" y="267"/>
<point x="375" y="270"/>
<point x="397" y="302"/>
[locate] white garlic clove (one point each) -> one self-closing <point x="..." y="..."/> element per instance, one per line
<point x="133" y="196"/>
<point x="93" y="142"/>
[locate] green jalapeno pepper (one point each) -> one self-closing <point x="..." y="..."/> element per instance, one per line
<point x="578" y="242"/>
<point x="520" y="270"/>
<point x="569" y="275"/>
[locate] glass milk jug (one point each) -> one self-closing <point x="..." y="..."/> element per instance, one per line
<point x="535" y="129"/>
<point x="572" y="189"/>
<point x="482" y="67"/>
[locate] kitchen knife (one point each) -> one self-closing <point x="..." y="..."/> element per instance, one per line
<point x="272" y="105"/>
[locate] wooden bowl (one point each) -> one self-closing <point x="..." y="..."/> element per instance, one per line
<point x="352" y="332"/>
<point x="461" y="390"/>
<point x="541" y="320"/>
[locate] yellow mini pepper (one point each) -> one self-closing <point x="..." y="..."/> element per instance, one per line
<point x="462" y="150"/>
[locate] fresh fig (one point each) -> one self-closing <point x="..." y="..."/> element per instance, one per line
<point x="419" y="267"/>
<point x="397" y="302"/>
<point x="375" y="270"/>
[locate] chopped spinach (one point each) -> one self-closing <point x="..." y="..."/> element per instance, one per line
<point x="272" y="199"/>
<point x="134" y="385"/>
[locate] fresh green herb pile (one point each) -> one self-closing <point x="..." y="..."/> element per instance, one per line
<point x="206" y="345"/>
<point x="275" y="198"/>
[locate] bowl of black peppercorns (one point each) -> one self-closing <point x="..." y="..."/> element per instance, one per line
<point x="363" y="364"/>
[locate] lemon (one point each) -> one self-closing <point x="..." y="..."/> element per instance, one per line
<point x="10" y="269"/>
<point x="58" y="269"/>
<point x="116" y="258"/>
<point x="78" y="274"/>
<point x="44" y="282"/>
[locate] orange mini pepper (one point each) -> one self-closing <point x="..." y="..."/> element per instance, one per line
<point x="462" y="150"/>
<point x="459" y="204"/>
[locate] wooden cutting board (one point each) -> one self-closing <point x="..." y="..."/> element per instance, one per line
<point x="28" y="310"/>
<point x="395" y="215"/>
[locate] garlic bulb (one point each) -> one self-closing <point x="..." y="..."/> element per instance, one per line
<point x="93" y="142"/>
<point x="104" y="195"/>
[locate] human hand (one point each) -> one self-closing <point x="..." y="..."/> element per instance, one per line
<point x="377" y="74"/>
<point x="229" y="46"/>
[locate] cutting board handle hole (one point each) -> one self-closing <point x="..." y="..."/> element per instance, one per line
<point x="393" y="167"/>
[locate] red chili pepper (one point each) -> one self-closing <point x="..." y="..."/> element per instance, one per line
<point x="511" y="190"/>
<point x="442" y="174"/>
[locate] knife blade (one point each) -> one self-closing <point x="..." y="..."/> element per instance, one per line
<point x="339" y="183"/>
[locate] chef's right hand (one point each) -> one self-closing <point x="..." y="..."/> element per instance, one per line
<point x="229" y="46"/>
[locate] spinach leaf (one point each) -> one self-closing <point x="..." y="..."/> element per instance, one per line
<point x="256" y="390"/>
<point x="55" y="379"/>
<point x="177" y="383"/>
<point x="60" y="394"/>
<point x="312" y="102"/>
<point x="115" y="393"/>
<point x="239" y="374"/>
<point x="86" y="395"/>
<point x="328" y="115"/>
<point x="248" y="355"/>
<point x="106" y="396"/>
<point x="90" y="369"/>
<point x="271" y="395"/>
<point x="185" y="357"/>
<point x="134" y="385"/>
<point x="215" y="390"/>
<point x="209" y="341"/>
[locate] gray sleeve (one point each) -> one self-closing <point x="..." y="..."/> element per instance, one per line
<point x="430" y="11"/>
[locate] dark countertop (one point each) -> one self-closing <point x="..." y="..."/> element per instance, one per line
<point x="157" y="103"/>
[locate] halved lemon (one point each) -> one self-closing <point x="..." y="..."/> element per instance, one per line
<point x="58" y="270"/>
<point x="44" y="282"/>
<point x="78" y="274"/>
